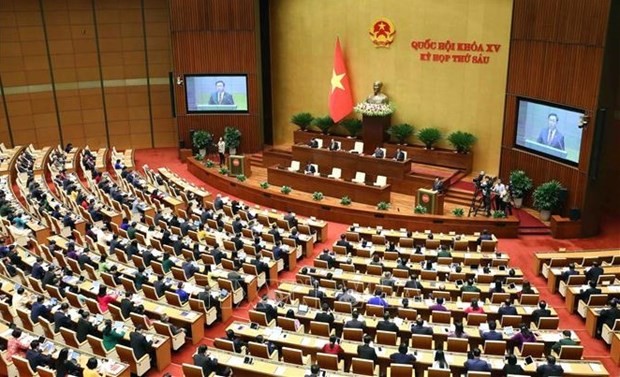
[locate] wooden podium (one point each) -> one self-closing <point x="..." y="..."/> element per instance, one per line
<point x="431" y="200"/>
<point x="238" y="164"/>
<point x="374" y="131"/>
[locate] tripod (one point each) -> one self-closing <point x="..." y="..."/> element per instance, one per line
<point x="478" y="202"/>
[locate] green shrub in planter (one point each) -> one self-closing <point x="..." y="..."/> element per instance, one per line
<point x="520" y="184"/>
<point x="383" y="206"/>
<point x="302" y="120"/>
<point x="353" y="126"/>
<point x="419" y="209"/>
<point x="547" y="196"/>
<point x="323" y="123"/>
<point x="462" y="141"/>
<point x="223" y="171"/>
<point x="458" y="212"/>
<point x="209" y="163"/>
<point x="401" y="132"/>
<point x="286" y="190"/>
<point x="264" y="185"/>
<point x="232" y="138"/>
<point x="201" y="140"/>
<point x="499" y="215"/>
<point x="429" y="136"/>
<point x="241" y="178"/>
<point x="317" y="195"/>
<point x="345" y="201"/>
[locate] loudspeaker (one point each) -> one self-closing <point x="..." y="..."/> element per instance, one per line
<point x="574" y="214"/>
<point x="562" y="196"/>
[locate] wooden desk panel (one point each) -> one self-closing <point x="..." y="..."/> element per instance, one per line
<point x="330" y="187"/>
<point x="351" y="163"/>
<point x="576" y="256"/>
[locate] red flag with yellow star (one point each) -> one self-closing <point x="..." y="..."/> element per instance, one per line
<point x="340" y="96"/>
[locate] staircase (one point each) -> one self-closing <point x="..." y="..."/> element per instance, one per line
<point x="459" y="197"/>
<point x="257" y="159"/>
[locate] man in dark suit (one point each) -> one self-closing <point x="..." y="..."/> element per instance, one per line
<point x="484" y="236"/>
<point x="584" y="295"/>
<point x="238" y="344"/>
<point x="399" y="155"/>
<point x="325" y="316"/>
<point x="189" y="268"/>
<point x="438" y="185"/>
<point x="62" y="319"/>
<point x="39" y="310"/>
<point x="492" y="334"/>
<point x="209" y="364"/>
<point x="344" y="243"/>
<point x="550" y="369"/>
<point x="507" y="309"/>
<point x="127" y="305"/>
<point x="550" y="135"/>
<point x="419" y="328"/>
<point x="275" y="233"/>
<point x="594" y="272"/>
<point x="38" y="272"/>
<point x="333" y="145"/>
<point x="140" y="278"/>
<point x="313" y="143"/>
<point x="147" y="256"/>
<point x="331" y="261"/>
<point x="160" y="286"/>
<point x="207" y="299"/>
<point x="386" y="324"/>
<point x="264" y="306"/>
<point x="218" y="203"/>
<point x="365" y="351"/>
<point x="608" y="316"/>
<point x="36" y="358"/>
<point x="569" y="272"/>
<point x="413" y="282"/>
<point x="85" y="259"/>
<point x="315" y="292"/>
<point x="354" y="322"/>
<point x="477" y="364"/>
<point x="220" y="96"/>
<point x="309" y="168"/>
<point x="402" y="357"/>
<point x="138" y="342"/>
<point x="290" y="219"/>
<point x="542" y="311"/>
<point x="237" y="225"/>
<point x="84" y="327"/>
<point x="378" y="153"/>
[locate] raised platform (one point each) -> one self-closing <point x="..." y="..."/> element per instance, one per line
<point x="365" y="215"/>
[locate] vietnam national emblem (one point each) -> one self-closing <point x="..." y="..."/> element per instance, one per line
<point x="382" y="32"/>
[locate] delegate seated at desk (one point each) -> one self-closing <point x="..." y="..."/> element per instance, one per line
<point x="333" y="145"/>
<point x="399" y="155"/>
<point x="309" y="168"/>
<point x="313" y="143"/>
<point x="378" y="153"/>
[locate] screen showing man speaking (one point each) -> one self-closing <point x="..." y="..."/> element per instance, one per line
<point x="549" y="130"/>
<point x="216" y="93"/>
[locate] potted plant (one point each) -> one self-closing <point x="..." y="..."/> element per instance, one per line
<point x="499" y="215"/>
<point x="286" y="190"/>
<point x="383" y="206"/>
<point x="429" y="136"/>
<point x="232" y="138"/>
<point x="458" y="212"/>
<point x="345" y="201"/>
<point x="264" y="185"/>
<point x="353" y="126"/>
<point x="462" y="141"/>
<point x="318" y="196"/>
<point x="209" y="163"/>
<point x="201" y="140"/>
<point x="520" y="186"/>
<point x="241" y="178"/>
<point x="419" y="209"/>
<point x="302" y="120"/>
<point x="547" y="198"/>
<point x="223" y="171"/>
<point x="401" y="132"/>
<point x="323" y="123"/>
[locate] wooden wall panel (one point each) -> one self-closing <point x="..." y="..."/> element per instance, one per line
<point x="557" y="59"/>
<point x="217" y="36"/>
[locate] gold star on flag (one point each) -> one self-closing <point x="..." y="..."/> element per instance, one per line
<point x="337" y="80"/>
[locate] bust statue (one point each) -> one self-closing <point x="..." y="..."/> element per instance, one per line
<point x="377" y="97"/>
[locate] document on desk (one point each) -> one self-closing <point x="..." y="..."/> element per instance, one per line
<point x="596" y="367"/>
<point x="235" y="360"/>
<point x="306" y="341"/>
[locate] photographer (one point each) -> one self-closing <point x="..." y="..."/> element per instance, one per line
<point x="485" y="189"/>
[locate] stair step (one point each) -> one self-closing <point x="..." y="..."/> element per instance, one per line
<point x="539" y="231"/>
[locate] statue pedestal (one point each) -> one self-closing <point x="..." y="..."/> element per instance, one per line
<point x="374" y="131"/>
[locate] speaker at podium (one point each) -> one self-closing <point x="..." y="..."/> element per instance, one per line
<point x="431" y="200"/>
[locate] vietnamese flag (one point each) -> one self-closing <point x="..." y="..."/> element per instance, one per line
<point x="340" y="96"/>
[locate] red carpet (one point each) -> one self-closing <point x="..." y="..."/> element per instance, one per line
<point x="521" y="252"/>
<point x="526" y="220"/>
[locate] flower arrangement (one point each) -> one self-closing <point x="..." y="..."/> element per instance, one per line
<point x="499" y="215"/>
<point x="209" y="163"/>
<point x="345" y="201"/>
<point x="241" y="178"/>
<point x="286" y="190"/>
<point x="458" y="212"/>
<point x="383" y="206"/>
<point x="374" y="109"/>
<point x="318" y="196"/>
<point x="264" y="185"/>
<point x="223" y="171"/>
<point x="419" y="209"/>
